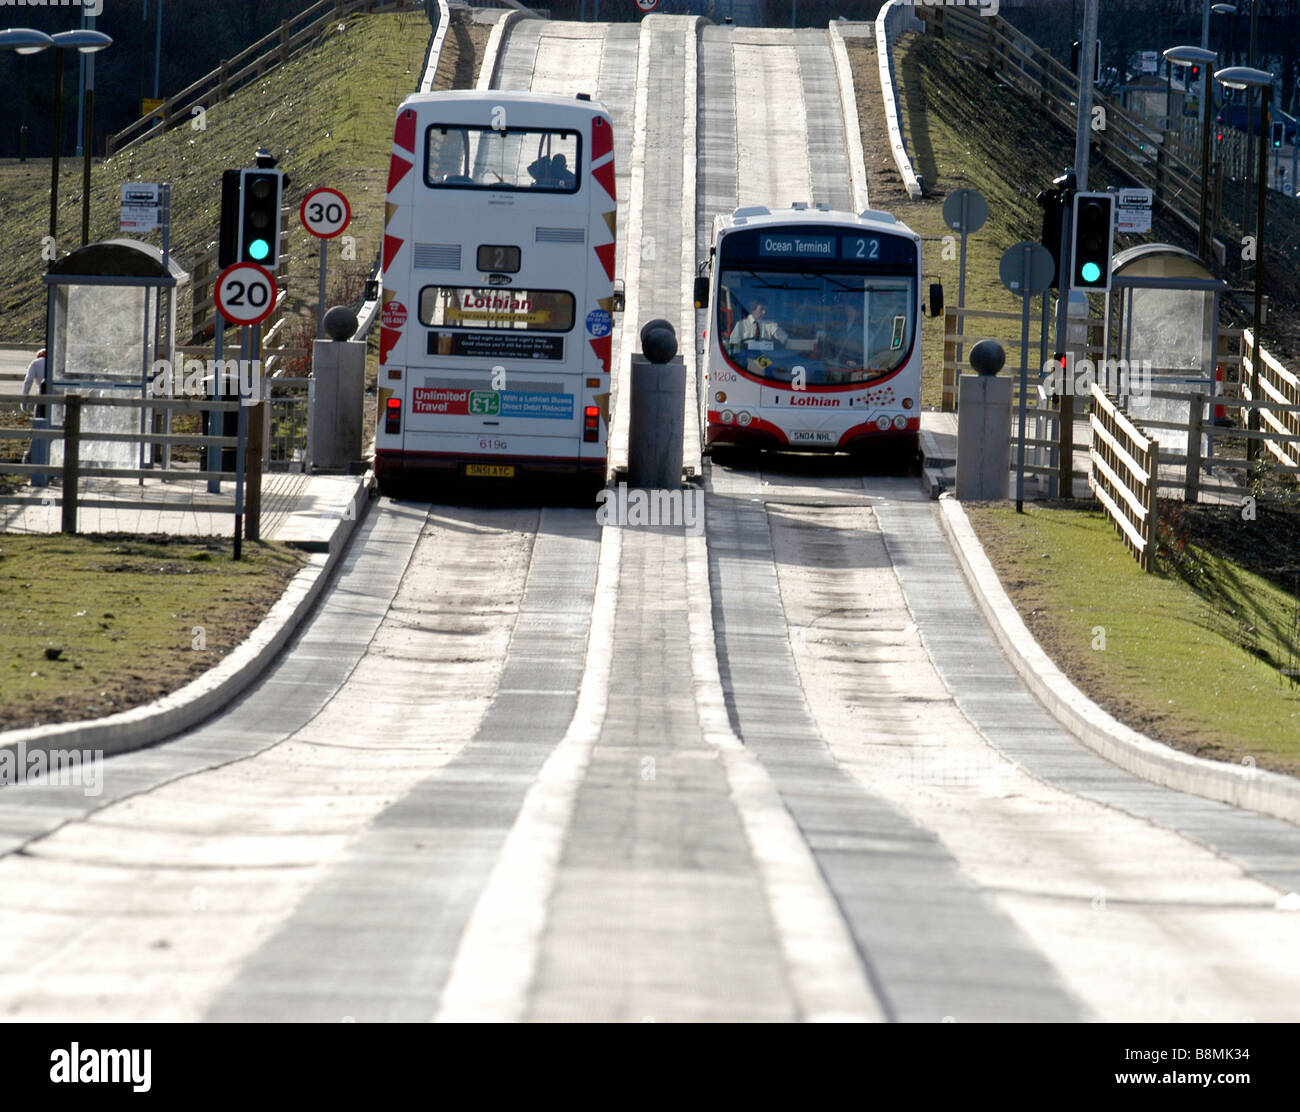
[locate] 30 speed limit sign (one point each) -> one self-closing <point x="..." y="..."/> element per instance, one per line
<point x="245" y="293"/>
<point x="325" y="213"/>
<point x="647" y="5"/>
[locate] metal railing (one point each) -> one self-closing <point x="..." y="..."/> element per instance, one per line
<point x="277" y="48"/>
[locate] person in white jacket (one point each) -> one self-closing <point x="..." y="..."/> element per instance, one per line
<point x="35" y="376"/>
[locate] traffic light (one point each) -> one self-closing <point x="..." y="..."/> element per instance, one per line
<point x="1053" y="205"/>
<point x="1278" y="132"/>
<point x="259" y="217"/>
<point x="1196" y="72"/>
<point x="1094" y="240"/>
<point x="1076" y="62"/>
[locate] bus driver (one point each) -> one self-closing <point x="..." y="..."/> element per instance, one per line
<point x="756" y="326"/>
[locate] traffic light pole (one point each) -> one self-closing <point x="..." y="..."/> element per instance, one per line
<point x="1065" y="399"/>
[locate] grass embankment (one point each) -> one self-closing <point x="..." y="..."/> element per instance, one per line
<point x="966" y="131"/>
<point x="93" y="625"/>
<point x="328" y="116"/>
<point x="1196" y="654"/>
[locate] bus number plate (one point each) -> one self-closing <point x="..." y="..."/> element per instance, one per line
<point x="812" y="436"/>
<point x="490" y="470"/>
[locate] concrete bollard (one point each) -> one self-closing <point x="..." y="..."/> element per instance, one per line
<point x="983" y="427"/>
<point x="657" y="411"/>
<point x="339" y="367"/>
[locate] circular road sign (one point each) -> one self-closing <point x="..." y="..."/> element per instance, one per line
<point x="245" y="293"/>
<point x="977" y="210"/>
<point x="1026" y="268"/>
<point x="647" y="5"/>
<point x="325" y="213"/>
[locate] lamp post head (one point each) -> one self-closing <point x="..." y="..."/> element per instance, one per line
<point x="1224" y="9"/>
<point x="1190" y="56"/>
<point x="1244" y="77"/>
<point x="86" y="42"/>
<point x="24" y="40"/>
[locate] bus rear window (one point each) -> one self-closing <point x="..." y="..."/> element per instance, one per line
<point x="537" y="160"/>
<point x="518" y="310"/>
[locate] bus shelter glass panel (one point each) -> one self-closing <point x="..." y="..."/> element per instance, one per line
<point x="104" y="336"/>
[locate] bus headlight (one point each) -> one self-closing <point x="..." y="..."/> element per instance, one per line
<point x="743" y="419"/>
<point x="883" y="422"/>
<point x="900" y="422"/>
<point x="727" y="416"/>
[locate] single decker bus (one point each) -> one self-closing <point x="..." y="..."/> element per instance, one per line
<point x="813" y="339"/>
<point x="498" y="291"/>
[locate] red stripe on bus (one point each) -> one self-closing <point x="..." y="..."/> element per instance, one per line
<point x="392" y="245"/>
<point x="605" y="253"/>
<point x="404" y="133"/>
<point x="602" y="349"/>
<point x="602" y="139"/>
<point x="388" y="338"/>
<point x="604" y="174"/>
<point x="398" y="168"/>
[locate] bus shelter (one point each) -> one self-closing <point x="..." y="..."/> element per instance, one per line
<point x="112" y="312"/>
<point x="1161" y="333"/>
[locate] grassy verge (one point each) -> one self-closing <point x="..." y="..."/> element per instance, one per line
<point x="94" y="625"/>
<point x="328" y="115"/>
<point x="1197" y="660"/>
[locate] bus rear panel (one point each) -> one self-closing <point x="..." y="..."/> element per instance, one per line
<point x="498" y="290"/>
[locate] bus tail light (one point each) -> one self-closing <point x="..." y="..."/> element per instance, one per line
<point x="591" y="424"/>
<point x="393" y="416"/>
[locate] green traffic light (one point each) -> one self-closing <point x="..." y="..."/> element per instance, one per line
<point x="1090" y="272"/>
<point x="259" y="249"/>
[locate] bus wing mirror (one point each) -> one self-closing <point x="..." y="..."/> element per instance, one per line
<point x="702" y="292"/>
<point x="372" y="290"/>
<point x="936" y="298"/>
<point x="620" y="296"/>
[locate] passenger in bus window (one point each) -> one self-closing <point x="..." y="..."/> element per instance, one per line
<point x="561" y="178"/>
<point x="756" y="326"/>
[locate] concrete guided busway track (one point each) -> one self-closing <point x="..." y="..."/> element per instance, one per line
<point x="519" y="766"/>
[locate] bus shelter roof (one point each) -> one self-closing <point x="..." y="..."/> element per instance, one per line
<point x="116" y="262"/>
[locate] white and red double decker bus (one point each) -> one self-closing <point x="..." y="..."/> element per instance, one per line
<point x="498" y="290"/>
<point x="813" y="340"/>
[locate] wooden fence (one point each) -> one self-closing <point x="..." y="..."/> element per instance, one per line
<point x="295" y="34"/>
<point x="248" y="480"/>
<point x="1278" y="403"/>
<point x="1123" y="476"/>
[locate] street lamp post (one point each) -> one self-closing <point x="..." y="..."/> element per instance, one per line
<point x="1187" y="56"/>
<point x="84" y="42"/>
<point x="1247" y="77"/>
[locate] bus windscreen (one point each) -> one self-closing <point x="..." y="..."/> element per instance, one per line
<point x="821" y="328"/>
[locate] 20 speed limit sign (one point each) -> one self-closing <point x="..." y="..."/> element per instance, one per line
<point x="245" y="293"/>
<point x="325" y="213"/>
